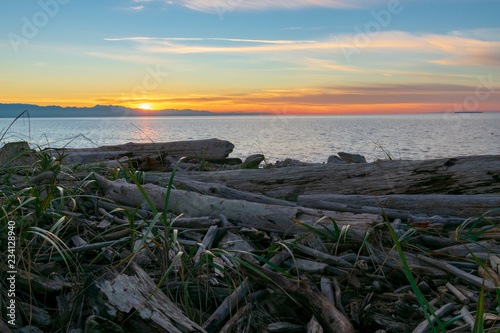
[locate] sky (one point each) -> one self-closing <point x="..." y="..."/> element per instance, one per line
<point x="270" y="56"/>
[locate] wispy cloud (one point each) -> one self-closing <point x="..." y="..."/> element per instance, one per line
<point x="133" y="8"/>
<point x="457" y="49"/>
<point x="213" y="6"/>
<point x="159" y="40"/>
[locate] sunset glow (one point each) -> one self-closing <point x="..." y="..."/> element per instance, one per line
<point x="145" y="106"/>
<point x="304" y="57"/>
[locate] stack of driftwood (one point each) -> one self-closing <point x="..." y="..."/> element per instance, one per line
<point x="289" y="249"/>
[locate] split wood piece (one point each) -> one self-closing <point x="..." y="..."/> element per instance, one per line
<point x="210" y="149"/>
<point x="324" y="257"/>
<point x="462" y="250"/>
<point x="467" y="316"/>
<point x="131" y="294"/>
<point x="228" y="305"/>
<point x="313" y="326"/>
<point x="207" y="242"/>
<point x="440" y="313"/>
<point x="469" y="294"/>
<point x="248" y="213"/>
<point x="109" y="206"/>
<point x="405" y="205"/>
<point x="221" y="191"/>
<point x="461" y="297"/>
<point x="326" y="289"/>
<point x="467" y="277"/>
<point x="116" y="234"/>
<point x="237" y="246"/>
<point x="305" y="293"/>
<point x="460" y="175"/>
<point x="308" y="266"/>
<point x="112" y="217"/>
<point x="338" y="297"/>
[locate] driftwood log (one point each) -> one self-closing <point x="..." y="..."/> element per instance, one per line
<point x="460" y="175"/>
<point x="208" y="150"/>
<point x="272" y="217"/>
<point x="130" y="297"/>
<point x="405" y="205"/>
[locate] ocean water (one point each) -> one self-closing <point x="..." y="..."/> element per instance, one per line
<point x="306" y="138"/>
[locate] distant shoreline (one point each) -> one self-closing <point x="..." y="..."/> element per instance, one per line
<point x="113" y="111"/>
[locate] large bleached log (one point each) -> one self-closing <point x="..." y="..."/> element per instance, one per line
<point x="272" y="217"/>
<point x="209" y="150"/>
<point x="119" y="294"/>
<point x="461" y="175"/>
<point x="405" y="205"/>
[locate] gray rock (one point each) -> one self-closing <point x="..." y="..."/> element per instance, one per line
<point x="252" y="161"/>
<point x="352" y="158"/>
<point x="17" y="154"/>
<point x="334" y="159"/>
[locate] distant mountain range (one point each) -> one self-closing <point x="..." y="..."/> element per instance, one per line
<point x="13" y="110"/>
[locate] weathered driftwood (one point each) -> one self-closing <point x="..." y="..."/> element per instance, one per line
<point x="248" y="213"/>
<point x="326" y="289"/>
<point x="207" y="242"/>
<point x="441" y="312"/>
<point x="221" y="191"/>
<point x="461" y="297"/>
<point x="467" y="316"/>
<point x="467" y="277"/>
<point x="308" y="266"/>
<point x="208" y="150"/>
<point x="462" y="250"/>
<point x="307" y="294"/>
<point x="405" y="205"/>
<point x="461" y="175"/>
<point x="117" y="295"/>
<point x="228" y="305"/>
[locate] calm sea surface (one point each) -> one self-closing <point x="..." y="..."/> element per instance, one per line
<point x="306" y="138"/>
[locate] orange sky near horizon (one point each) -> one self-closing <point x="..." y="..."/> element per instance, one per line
<point x="315" y="57"/>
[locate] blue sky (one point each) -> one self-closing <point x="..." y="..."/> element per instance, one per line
<point x="308" y="56"/>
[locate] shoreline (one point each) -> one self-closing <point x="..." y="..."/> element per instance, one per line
<point x="137" y="235"/>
